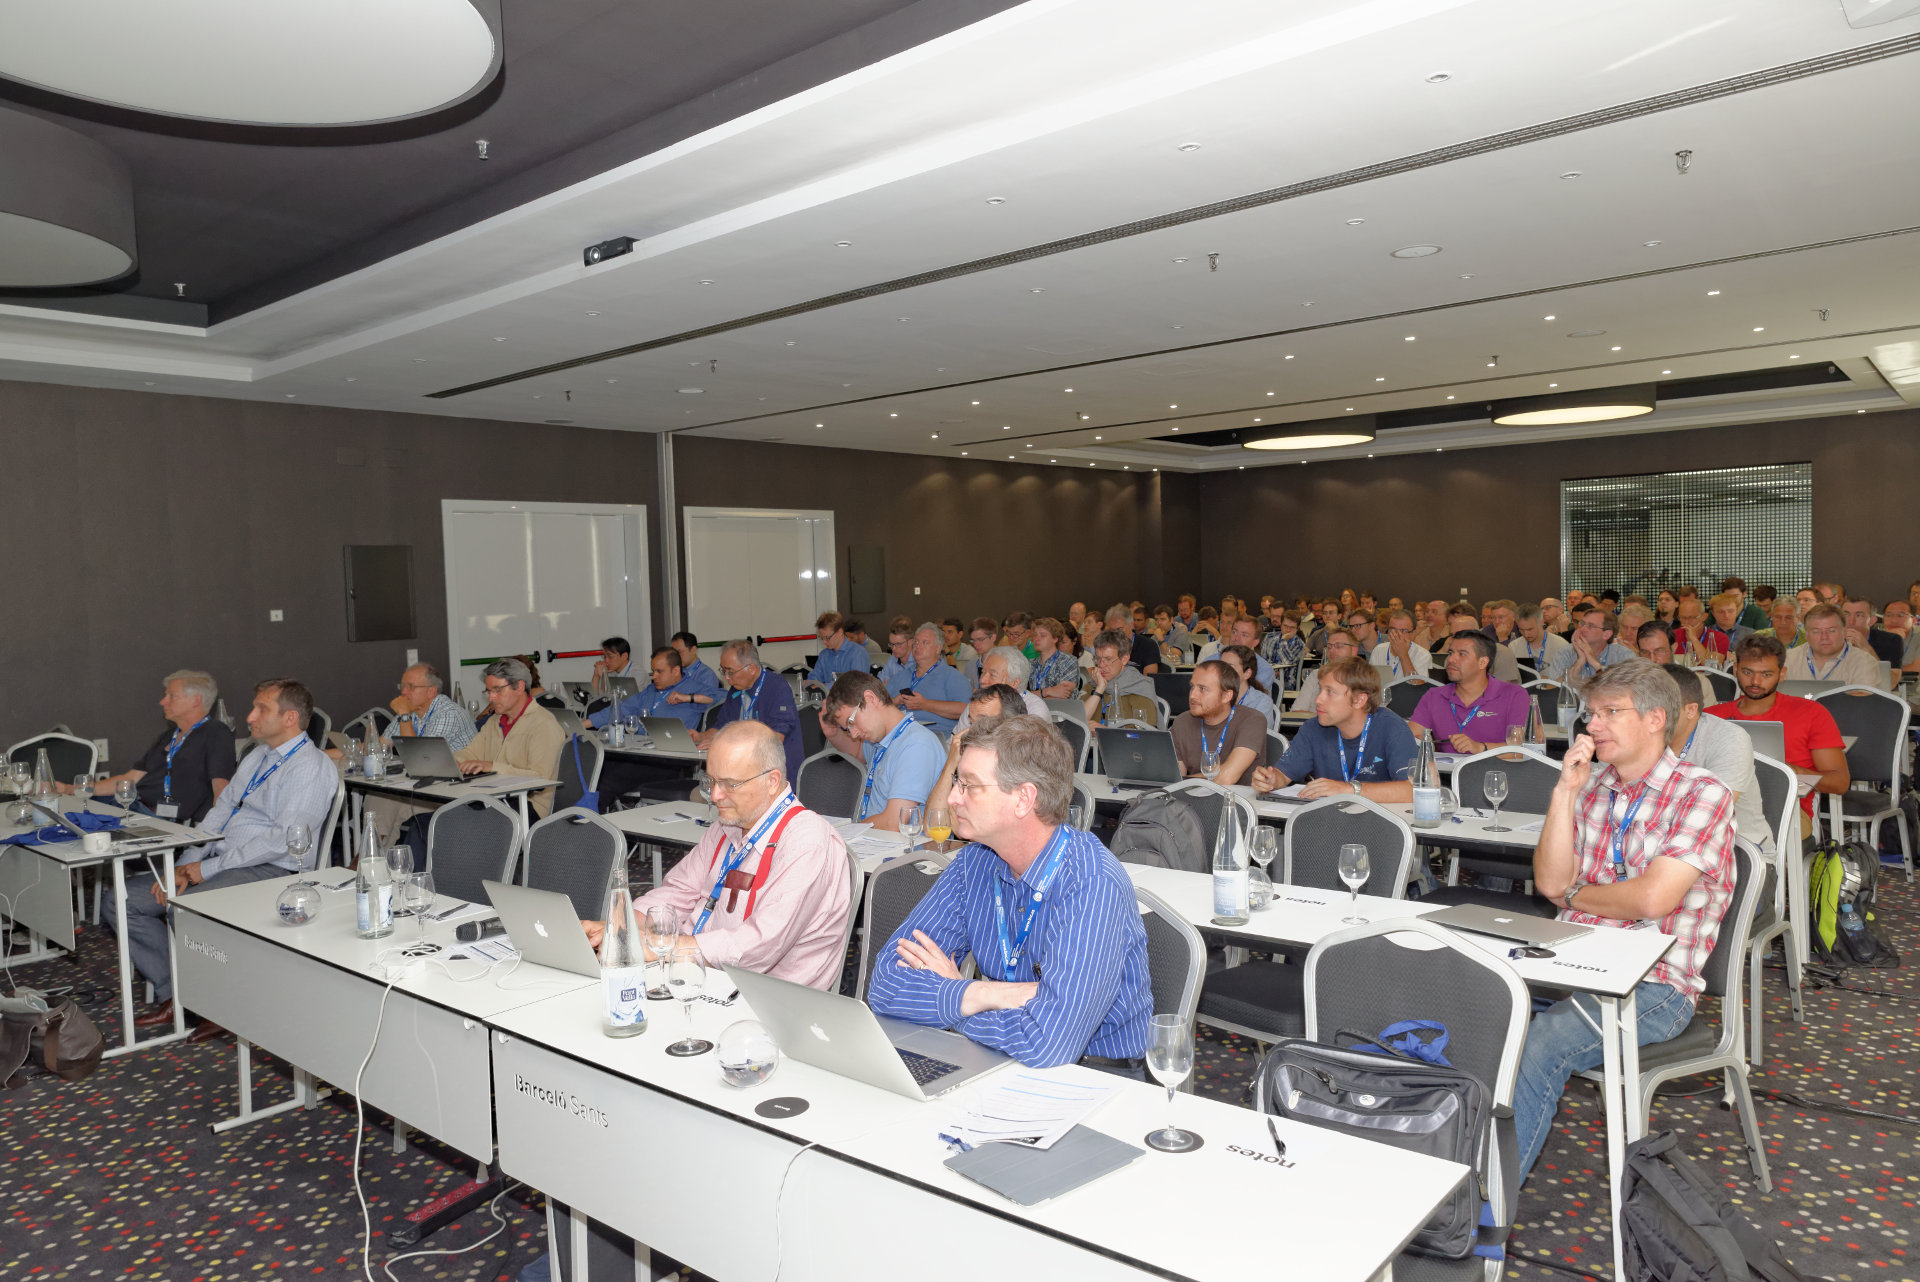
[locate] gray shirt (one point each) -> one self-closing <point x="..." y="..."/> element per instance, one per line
<point x="1727" y="751"/>
<point x="1130" y="681"/>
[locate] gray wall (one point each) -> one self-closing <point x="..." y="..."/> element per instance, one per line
<point x="1419" y="526"/>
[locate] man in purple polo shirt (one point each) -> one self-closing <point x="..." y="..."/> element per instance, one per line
<point x="1473" y="713"/>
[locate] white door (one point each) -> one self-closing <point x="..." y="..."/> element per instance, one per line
<point x="761" y="572"/>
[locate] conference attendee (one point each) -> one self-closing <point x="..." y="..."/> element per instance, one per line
<point x="1805" y="599"/>
<point x="1076" y="612"/>
<point x="893" y="672"/>
<point x="1666" y="607"/>
<point x="954" y="648"/>
<point x="1828" y="655"/>
<point x="989" y="706"/>
<point x="1654" y="642"/>
<point x="1554" y="618"/>
<point x="1632" y="615"/>
<point x="1327" y="616"/>
<point x="1341" y="646"/>
<point x="1142" y="653"/>
<point x="1113" y="678"/>
<point x="1690" y="635"/>
<point x="1461" y="618"/>
<point x="928" y="690"/>
<point x="669" y="692"/>
<point x="1183" y="612"/>
<point x="1913" y="596"/>
<point x="754" y="694"/>
<point x="1006" y="666"/>
<point x="687" y="646"/>
<point x="1056" y="675"/>
<point x="1017" y="629"/>
<point x="284" y="780"/>
<point x="1813" y="741"/>
<point x="1215" y="723"/>
<point x="1353" y="744"/>
<point x="902" y="756"/>
<point x="1206" y="624"/>
<point x="1897" y="620"/>
<point x="1360" y="623"/>
<point x="1285" y="649"/>
<point x="1502" y="616"/>
<point x="1726" y="632"/>
<point x="1785" y="616"/>
<point x="857" y="633"/>
<point x="1589" y="650"/>
<point x="1397" y="651"/>
<point x="1752" y="614"/>
<point x="1473" y="711"/>
<point x="425" y="712"/>
<point x="838" y="652"/>
<point x="982" y="635"/>
<point x="1044" y="909"/>
<point x="1254" y="696"/>
<point x="616" y="660"/>
<point x="521" y="738"/>
<point x="1533" y="644"/>
<point x="188" y="765"/>
<point x="1862" y="630"/>
<point x="1715" y="743"/>
<point x="1090" y="630"/>
<point x="1833" y="594"/>
<point x="1643" y="839"/>
<point x="1244" y="632"/>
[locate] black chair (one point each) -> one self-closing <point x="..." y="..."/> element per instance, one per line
<point x="574" y="852"/>
<point x="813" y="740"/>
<point x="591" y="756"/>
<point x="1530" y="781"/>
<point x="1172" y="686"/>
<point x="67" y="755"/>
<point x="474" y="840"/>
<point x="1878" y="721"/>
<point x="1404" y="695"/>
<point x="892" y="894"/>
<point x="1546" y="697"/>
<point x="1078" y="738"/>
<point x="1725" y="689"/>
<point x="1779" y="797"/>
<point x="319" y="726"/>
<point x="829" y="784"/>
<point x="1276" y="747"/>
<point x="1210" y="805"/>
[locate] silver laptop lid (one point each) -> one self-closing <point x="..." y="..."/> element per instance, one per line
<point x="623" y="688"/>
<point x="1808" y="689"/>
<point x="667" y="730"/>
<point x="1769" y="738"/>
<point x="543" y="925"/>
<point x="1518" y="926"/>
<point x="427" y="757"/>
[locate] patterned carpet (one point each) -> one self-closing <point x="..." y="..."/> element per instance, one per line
<point x="118" y="1175"/>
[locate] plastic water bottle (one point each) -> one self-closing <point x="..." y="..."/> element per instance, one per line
<point x="373" y="892"/>
<point x="1231" y="906"/>
<point x="623" y="970"/>
<point x="1853" y="933"/>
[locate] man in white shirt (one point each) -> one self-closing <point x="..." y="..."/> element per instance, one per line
<point x="1398" y="652"/>
<point x="1532" y="642"/>
<point x="1341" y="645"/>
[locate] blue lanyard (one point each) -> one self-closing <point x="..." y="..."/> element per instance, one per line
<point x="1359" y="753"/>
<point x="773" y="814"/>
<point x="1844" y="651"/>
<point x="751" y="697"/>
<point x="1013" y="947"/>
<point x="174" y="745"/>
<point x="1223" y="733"/>
<point x="260" y="777"/>
<point x="1534" y="655"/>
<point x="873" y="767"/>
<point x="1619" y="835"/>
<point x="1689" y="748"/>
<point x="1461" y="717"/>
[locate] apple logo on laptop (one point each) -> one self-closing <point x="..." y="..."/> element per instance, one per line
<point x="540" y="929"/>
<point x="1503" y="921"/>
<point x="819" y="1032"/>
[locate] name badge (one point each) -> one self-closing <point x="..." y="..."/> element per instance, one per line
<point x="167" y="810"/>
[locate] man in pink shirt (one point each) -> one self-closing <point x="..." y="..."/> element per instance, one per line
<point x="768" y="888"/>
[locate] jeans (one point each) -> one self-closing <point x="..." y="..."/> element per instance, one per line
<point x="1560" y="1043"/>
<point x="147" y="921"/>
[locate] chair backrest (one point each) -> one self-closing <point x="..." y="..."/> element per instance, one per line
<point x="473" y="840"/>
<point x="574" y="852"/>
<point x="1164" y="709"/>
<point x="813" y="740"/>
<point x="1368" y="977"/>
<point x="1310" y="845"/>
<point x="1725" y="689"/>
<point x="368" y="726"/>
<point x="1546" y="696"/>
<point x="1779" y="799"/>
<point x="1083" y="798"/>
<point x="1212" y="805"/>
<point x="242" y="746"/>
<point x="1074" y="730"/>
<point x="1531" y="777"/>
<point x="1722" y="970"/>
<point x="858" y="874"/>
<point x="1404" y="695"/>
<point x="573" y="783"/>
<point x="570" y="721"/>
<point x="829" y="785"/>
<point x="323" y="840"/>
<point x="67" y="755"/>
<point x="1877" y="719"/>
<point x="1176" y="958"/>
<point x="1276" y="747"/>
<point x="1070" y="708"/>
<point x="1142" y="708"/>
<point x="319" y="726"/>
<point x="1172" y="687"/>
<point x="893" y="893"/>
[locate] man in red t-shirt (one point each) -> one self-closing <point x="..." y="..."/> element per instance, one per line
<point x="1813" y="740"/>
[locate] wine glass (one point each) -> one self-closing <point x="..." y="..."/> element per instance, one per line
<point x="1495" y="786"/>
<point x="22" y="775"/>
<point x="662" y="931"/>
<point x="910" y="825"/>
<point x="420" y="892"/>
<point x="1516" y="734"/>
<point x="686" y="980"/>
<point x="400" y="864"/>
<point x="1266" y="844"/>
<point x="1209" y="762"/>
<point x="82" y="789"/>
<point x="299" y="840"/>
<point x="1353" y="871"/>
<point x="1077" y="815"/>
<point x="124" y="792"/>
<point x="1170" y="1059"/>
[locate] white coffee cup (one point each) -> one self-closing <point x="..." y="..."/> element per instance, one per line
<point x="96" y="843"/>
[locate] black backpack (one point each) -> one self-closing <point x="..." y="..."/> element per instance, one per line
<point x="1676" y="1225"/>
<point x="1160" y="830"/>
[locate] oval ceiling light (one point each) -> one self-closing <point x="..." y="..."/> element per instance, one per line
<point x="1600" y="405"/>
<point x="66" y="207"/>
<point x="1325" y="434"/>
<point x="1416" y="251"/>
<point x="291" y="62"/>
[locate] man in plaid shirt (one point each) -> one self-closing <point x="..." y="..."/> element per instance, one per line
<point x="1641" y="839"/>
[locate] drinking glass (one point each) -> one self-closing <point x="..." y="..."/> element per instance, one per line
<point x="1209" y="762"/>
<point x="299" y="839"/>
<point x="1516" y="734"/>
<point x="1266" y="844"/>
<point x="1495" y="786"/>
<point x="420" y="892"/>
<point x="22" y="775"/>
<point x="400" y="864"/>
<point x="124" y="792"/>
<point x="662" y="931"/>
<point x="910" y="825"/>
<point x="82" y="790"/>
<point x="1170" y="1059"/>
<point x="687" y="979"/>
<point x="1077" y="815"/>
<point x="1353" y="871"/>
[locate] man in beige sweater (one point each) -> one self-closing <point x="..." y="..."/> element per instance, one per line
<point x="521" y="737"/>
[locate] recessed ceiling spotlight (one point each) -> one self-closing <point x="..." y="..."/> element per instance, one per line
<point x="1759" y="329"/>
<point x="1189" y="146"/>
<point x="1179" y="326"/>
<point x="1126" y="467"/>
<point x="843" y="244"/>
<point x="1411" y="337"/>
<point x="1099" y="438"/>
<point x="1009" y="458"/>
<point x="1548" y="318"/>
<point x="1666" y="371"/>
<point x="974" y="402"/>
<point x="1177" y="429"/>
<point x="1029" y="447"/>
<point x="1270" y="393"/>
<point x="499" y="338"/>
<point x="1066" y="389"/>
<point x="963" y="453"/>
<point x="1306" y="304"/>
<point x="613" y="380"/>
<point x="1179" y="260"/>
<point x="1449" y="398"/>
<point x="1466" y="276"/>
<point x="291" y="395"/>
<point x="1349" y="409"/>
<point x="1356" y="222"/>
<point x="1369" y="456"/>
<point x="1173" y="407"/>
<point x="936" y="436"/>
<point x="1381" y="379"/>
<point x="1416" y="251"/>
<point x="419" y="360"/>
<point x="1287" y="357"/>
<point x="1005" y="427"/>
<point x="150" y="382"/>
<point x="1089" y="465"/>
<point x="819" y="424"/>
<point x="1571" y="173"/>
<point x="1437" y="78"/>
<point x="1053" y="460"/>
<point x="996" y="200"/>
<point x="1652" y="244"/>
<point x="1859" y="411"/>
<point x="1616" y="349"/>
<point x="593" y="313"/>
<point x="705" y="281"/>
<point x="1791" y="358"/>
<point x="1256" y="418"/>
<point x="903" y="319"/>
<point x="1553" y="384"/>
<point x="791" y="343"/>
<point x="1712" y="292"/>
<point x="1085" y="417"/>
<point x="692" y="391"/>
<point x="1243" y="466"/>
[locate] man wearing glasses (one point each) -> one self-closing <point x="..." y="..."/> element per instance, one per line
<point x="838" y="651"/>
<point x="521" y="738"/>
<point x="1046" y="911"/>
<point x="1643" y="837"/>
<point x="1398" y="652"/>
<point x="903" y="757"/>
<point x="427" y="713"/>
<point x="753" y="694"/>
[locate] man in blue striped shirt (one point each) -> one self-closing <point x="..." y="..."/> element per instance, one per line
<point x="1045" y="909"/>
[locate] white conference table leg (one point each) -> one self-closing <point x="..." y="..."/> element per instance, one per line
<point x="126" y="959"/>
<point x="1613" y="1102"/>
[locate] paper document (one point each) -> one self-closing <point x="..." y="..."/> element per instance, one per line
<point x="1025" y="1109"/>
<point x="1292" y="792"/>
<point x="458" y="911"/>
<point x="1535" y="826"/>
<point x="849" y="830"/>
<point x="485" y="951"/>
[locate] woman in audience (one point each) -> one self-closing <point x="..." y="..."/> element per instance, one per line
<point x="1253" y="695"/>
<point x="1055" y="674"/>
<point x="1089" y="629"/>
<point x="1348" y="602"/>
<point x="1288" y="652"/>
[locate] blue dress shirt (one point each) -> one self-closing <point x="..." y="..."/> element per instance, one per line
<point x="909" y="766"/>
<point x="850" y="657"/>
<point x="941" y="682"/>
<point x="651" y="701"/>
<point x="772" y="704"/>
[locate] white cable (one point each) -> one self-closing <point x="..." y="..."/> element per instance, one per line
<point x="359" y="1130"/>
<point x="779" y="1195"/>
<point x="501" y="982"/>
<point x="493" y="1209"/>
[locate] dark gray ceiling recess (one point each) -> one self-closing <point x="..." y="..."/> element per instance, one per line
<point x="66" y="206"/>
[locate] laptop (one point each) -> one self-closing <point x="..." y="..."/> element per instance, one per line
<point x="429" y="760"/>
<point x="1809" y="689"/>
<point x="543" y="925"/>
<point x="125" y="835"/>
<point x="1520" y="927"/>
<point x="842" y="1035"/>
<point x="621" y="689"/>
<point x="1769" y="738"/>
<point x="581" y="692"/>
<point x="668" y="732"/>
<point x="1138" y="756"/>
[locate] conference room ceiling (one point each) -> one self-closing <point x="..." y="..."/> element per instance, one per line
<point x="1186" y="215"/>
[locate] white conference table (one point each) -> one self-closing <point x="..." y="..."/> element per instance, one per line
<point x="580" y="1113"/>
<point x="684" y="823"/>
<point x="517" y="788"/>
<point x="1609" y="964"/>
<point x="38" y="881"/>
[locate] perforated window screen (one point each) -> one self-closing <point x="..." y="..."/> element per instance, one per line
<point x="1644" y="533"/>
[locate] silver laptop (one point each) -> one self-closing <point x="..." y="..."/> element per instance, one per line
<point x="544" y="927"/>
<point x="1809" y="689"/>
<point x="668" y="732"/>
<point x="1137" y="756"/>
<point x="581" y="692"/>
<point x="429" y="759"/>
<point x="1769" y="738"/>
<point x="125" y="835"/>
<point x="621" y="689"/>
<point x="842" y="1035"/>
<point x="1520" y="927"/>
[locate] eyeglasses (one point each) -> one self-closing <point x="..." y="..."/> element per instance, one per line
<point x="848" y="727"/>
<point x="502" y="688"/>
<point x="970" y="789"/>
<point x="734" y="785"/>
<point x="417" y="685"/>
<point x="1609" y="714"/>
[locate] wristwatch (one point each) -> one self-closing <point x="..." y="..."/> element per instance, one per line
<point x="1572" y="890"/>
<point x="1356" y="786"/>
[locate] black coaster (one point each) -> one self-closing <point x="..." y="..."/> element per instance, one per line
<point x="781" y="1106"/>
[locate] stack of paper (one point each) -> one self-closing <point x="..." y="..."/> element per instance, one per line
<point x="1025" y="1109"/>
